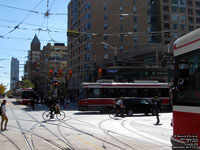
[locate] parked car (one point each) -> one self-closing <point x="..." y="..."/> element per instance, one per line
<point x="137" y="105"/>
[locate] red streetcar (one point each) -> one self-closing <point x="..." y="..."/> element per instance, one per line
<point x="102" y="95"/>
<point x="24" y="95"/>
<point x="186" y="92"/>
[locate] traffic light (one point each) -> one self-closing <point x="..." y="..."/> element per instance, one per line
<point x="60" y="73"/>
<point x="55" y="83"/>
<point x="70" y="74"/>
<point x="50" y="73"/>
<point x="99" y="73"/>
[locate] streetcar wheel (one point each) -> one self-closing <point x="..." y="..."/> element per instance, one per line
<point x="112" y="114"/>
<point x="46" y="115"/>
<point x="60" y="116"/>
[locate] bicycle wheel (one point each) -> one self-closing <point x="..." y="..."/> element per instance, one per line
<point x="60" y="116"/>
<point x="112" y="114"/>
<point x="46" y="115"/>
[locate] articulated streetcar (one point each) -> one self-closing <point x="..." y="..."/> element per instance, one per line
<point x="186" y="92"/>
<point x="103" y="94"/>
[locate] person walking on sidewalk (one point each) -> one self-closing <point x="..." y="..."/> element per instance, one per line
<point x="4" y="116"/>
<point x="157" y="108"/>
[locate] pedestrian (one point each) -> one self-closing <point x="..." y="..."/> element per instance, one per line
<point x="62" y="102"/>
<point x="67" y="101"/>
<point x="32" y="104"/>
<point x="119" y="106"/>
<point x="4" y="116"/>
<point x="157" y="108"/>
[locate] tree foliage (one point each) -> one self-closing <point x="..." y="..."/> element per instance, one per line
<point x="2" y="89"/>
<point x="27" y="84"/>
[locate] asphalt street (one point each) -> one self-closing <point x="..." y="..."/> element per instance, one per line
<point x="83" y="131"/>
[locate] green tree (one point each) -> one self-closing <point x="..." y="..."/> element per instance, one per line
<point x="27" y="84"/>
<point x="2" y="89"/>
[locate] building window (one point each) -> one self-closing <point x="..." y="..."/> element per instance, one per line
<point x="105" y="7"/>
<point x="106" y="17"/>
<point x="105" y="37"/>
<point x="87" y="26"/>
<point x="88" y="46"/>
<point x="198" y="20"/>
<point x="182" y="18"/>
<point x="166" y="9"/>
<point x="87" y="6"/>
<point x="149" y="20"/>
<point x="121" y="47"/>
<point x="175" y="26"/>
<point x="135" y="38"/>
<point x="190" y="3"/>
<point x="121" y="28"/>
<point x="121" y="18"/>
<point x="149" y="39"/>
<point x="149" y="11"/>
<point x="182" y="10"/>
<point x="190" y="11"/>
<point x="105" y="26"/>
<point x="87" y="16"/>
<point x="174" y="9"/>
<point x="197" y="4"/>
<point x="121" y="38"/>
<point x="182" y="26"/>
<point x="121" y="8"/>
<point x="149" y="28"/>
<point x="174" y="18"/>
<point x="134" y="1"/>
<point x="182" y="2"/>
<point x="134" y="9"/>
<point x="191" y="20"/>
<point x="175" y="35"/>
<point x="135" y="28"/>
<point x="106" y="47"/>
<point x="198" y="12"/>
<point x="175" y="2"/>
<point x="135" y="19"/>
<point x="191" y="28"/>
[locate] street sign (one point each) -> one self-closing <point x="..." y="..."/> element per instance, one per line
<point x="112" y="70"/>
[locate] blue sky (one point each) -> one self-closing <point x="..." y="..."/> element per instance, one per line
<point x="20" y="20"/>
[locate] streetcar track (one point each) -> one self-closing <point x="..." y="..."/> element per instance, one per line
<point x="11" y="141"/>
<point x="47" y="140"/>
<point x="157" y="141"/>
<point x="66" y="142"/>
<point x="21" y="131"/>
<point x="91" y="135"/>
<point x="55" y="144"/>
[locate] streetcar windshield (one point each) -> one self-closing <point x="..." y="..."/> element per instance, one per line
<point x="187" y="80"/>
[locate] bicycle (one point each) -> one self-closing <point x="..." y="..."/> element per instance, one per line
<point x="47" y="115"/>
<point x="113" y="113"/>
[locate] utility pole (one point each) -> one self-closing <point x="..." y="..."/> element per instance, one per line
<point x="168" y="61"/>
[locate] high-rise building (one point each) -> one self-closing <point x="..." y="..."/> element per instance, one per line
<point x="113" y="30"/>
<point x="14" y="75"/>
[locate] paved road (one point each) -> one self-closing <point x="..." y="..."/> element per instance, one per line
<point x="83" y="131"/>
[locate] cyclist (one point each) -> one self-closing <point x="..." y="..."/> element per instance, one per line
<point x="52" y="107"/>
<point x="119" y="106"/>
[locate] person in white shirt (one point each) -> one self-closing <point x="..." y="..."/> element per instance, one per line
<point x="4" y="116"/>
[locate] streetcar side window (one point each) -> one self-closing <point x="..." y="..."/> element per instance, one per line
<point x="187" y="80"/>
<point x="94" y="93"/>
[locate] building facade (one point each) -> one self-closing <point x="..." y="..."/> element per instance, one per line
<point x="136" y="33"/>
<point x="14" y="75"/>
